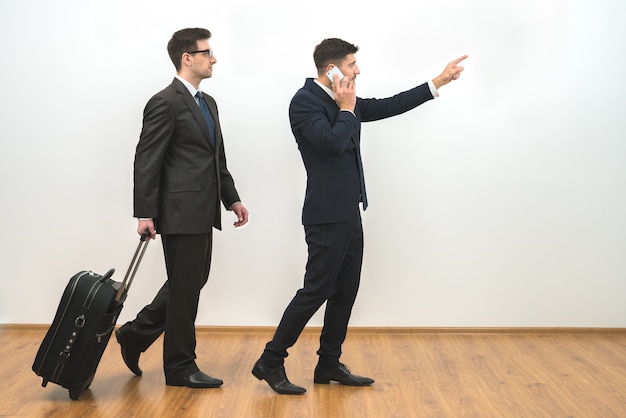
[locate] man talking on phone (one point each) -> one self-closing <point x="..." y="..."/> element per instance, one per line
<point x="326" y="116"/>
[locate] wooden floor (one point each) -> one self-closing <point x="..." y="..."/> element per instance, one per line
<point x="418" y="374"/>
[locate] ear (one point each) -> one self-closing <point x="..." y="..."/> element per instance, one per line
<point x="185" y="59"/>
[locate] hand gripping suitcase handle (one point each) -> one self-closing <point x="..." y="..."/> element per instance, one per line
<point x="144" y="235"/>
<point x="134" y="265"/>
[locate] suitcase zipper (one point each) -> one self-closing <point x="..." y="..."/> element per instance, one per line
<point x="99" y="336"/>
<point x="92" y="293"/>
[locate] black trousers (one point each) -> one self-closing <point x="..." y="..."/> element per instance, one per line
<point x="333" y="274"/>
<point x="175" y="306"/>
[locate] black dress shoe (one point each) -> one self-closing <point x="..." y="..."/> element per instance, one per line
<point x="276" y="378"/>
<point x="342" y="374"/>
<point x="196" y="380"/>
<point x="130" y="356"/>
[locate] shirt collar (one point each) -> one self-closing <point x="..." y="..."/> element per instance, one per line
<point x="326" y="89"/>
<point x="187" y="84"/>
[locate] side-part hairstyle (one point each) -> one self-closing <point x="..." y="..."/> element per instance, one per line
<point x="332" y="51"/>
<point x="185" y="40"/>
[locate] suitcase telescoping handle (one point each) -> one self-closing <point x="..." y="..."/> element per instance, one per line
<point x="134" y="265"/>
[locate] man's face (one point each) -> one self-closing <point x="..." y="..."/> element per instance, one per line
<point x="349" y="68"/>
<point x="201" y="63"/>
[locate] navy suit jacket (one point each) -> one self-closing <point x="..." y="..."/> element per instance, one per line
<point x="180" y="176"/>
<point x="329" y="140"/>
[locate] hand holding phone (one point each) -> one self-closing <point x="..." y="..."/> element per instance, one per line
<point x="331" y="74"/>
<point x="344" y="93"/>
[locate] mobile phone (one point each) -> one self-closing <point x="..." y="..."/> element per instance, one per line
<point x="331" y="74"/>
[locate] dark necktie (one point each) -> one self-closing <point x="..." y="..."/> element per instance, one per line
<point x="361" y="175"/>
<point x="207" y="116"/>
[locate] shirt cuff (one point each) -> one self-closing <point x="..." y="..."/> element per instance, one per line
<point x="433" y="89"/>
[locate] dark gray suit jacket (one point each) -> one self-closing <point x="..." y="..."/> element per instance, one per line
<point x="180" y="177"/>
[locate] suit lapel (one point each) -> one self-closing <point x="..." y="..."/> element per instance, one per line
<point x="193" y="107"/>
<point x="319" y="92"/>
<point x="328" y="101"/>
<point x="216" y="122"/>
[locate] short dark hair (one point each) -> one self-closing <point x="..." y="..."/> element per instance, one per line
<point x="332" y="51"/>
<point x="185" y="40"/>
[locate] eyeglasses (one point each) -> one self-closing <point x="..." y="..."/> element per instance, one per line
<point x="207" y="52"/>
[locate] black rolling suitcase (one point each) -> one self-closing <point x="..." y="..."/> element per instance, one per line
<point x="86" y="316"/>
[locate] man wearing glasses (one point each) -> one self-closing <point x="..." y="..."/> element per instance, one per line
<point x="180" y="178"/>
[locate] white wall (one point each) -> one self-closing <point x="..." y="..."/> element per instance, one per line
<point x="502" y="203"/>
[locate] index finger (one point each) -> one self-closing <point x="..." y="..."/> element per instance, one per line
<point x="456" y="61"/>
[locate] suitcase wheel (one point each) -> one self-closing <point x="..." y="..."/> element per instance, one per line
<point x="75" y="393"/>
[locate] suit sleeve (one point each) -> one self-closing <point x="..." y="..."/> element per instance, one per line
<point x="156" y="134"/>
<point x="376" y="109"/>
<point x="328" y="133"/>
<point x="228" y="191"/>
